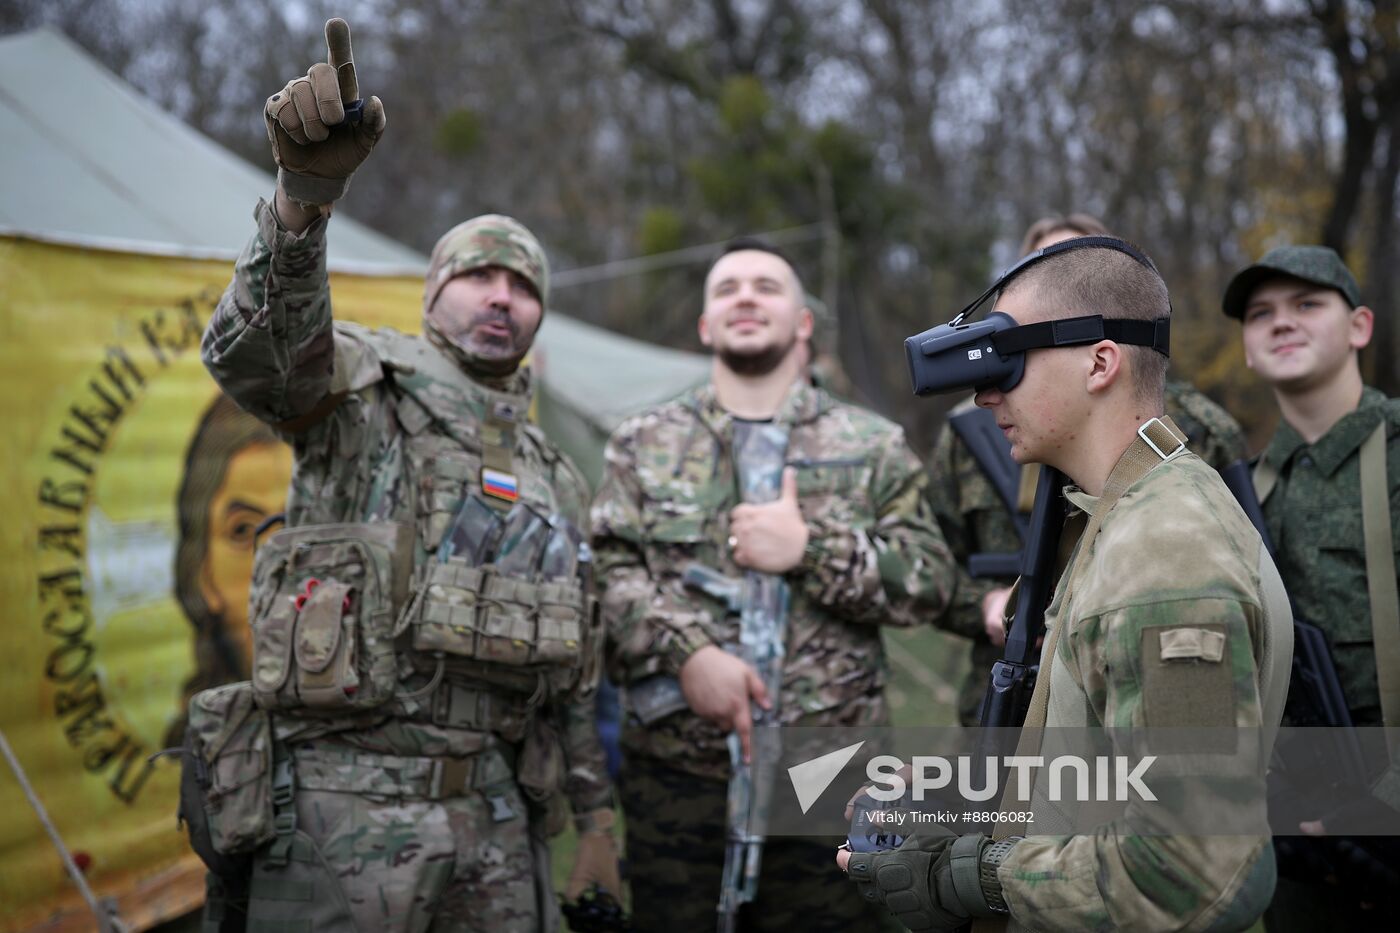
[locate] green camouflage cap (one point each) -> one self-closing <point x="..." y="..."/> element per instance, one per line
<point x="488" y="240"/>
<point x="1319" y="265"/>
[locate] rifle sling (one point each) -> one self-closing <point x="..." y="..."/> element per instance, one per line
<point x="1380" y="574"/>
<point x="1265" y="477"/>
<point x="1025" y="489"/>
<point x="1136" y="462"/>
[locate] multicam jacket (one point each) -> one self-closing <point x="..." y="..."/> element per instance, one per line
<point x="875" y="558"/>
<point x="974" y="520"/>
<point x="1314" y="518"/>
<point x="1174" y="555"/>
<point x="387" y="428"/>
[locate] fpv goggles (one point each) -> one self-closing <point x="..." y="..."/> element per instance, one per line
<point x="991" y="353"/>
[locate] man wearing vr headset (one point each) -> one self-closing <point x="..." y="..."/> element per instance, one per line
<point x="1170" y="613"/>
<point x="975" y="519"/>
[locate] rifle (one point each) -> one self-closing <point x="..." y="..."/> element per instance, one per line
<point x="1321" y="700"/>
<point x="1013" y="677"/>
<point x="760" y="451"/>
<point x="977" y="428"/>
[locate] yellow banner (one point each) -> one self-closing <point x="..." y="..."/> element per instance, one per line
<point x="133" y="488"/>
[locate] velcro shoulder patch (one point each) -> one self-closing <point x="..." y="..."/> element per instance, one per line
<point x="1192" y="644"/>
<point x="1186" y="678"/>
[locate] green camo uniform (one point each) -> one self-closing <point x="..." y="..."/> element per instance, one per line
<point x="875" y="558"/>
<point x="1313" y="515"/>
<point x="418" y="806"/>
<point x="1314" y="518"/>
<point x="974" y="520"/>
<point x="1175" y="552"/>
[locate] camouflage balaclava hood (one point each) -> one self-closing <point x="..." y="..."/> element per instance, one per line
<point x="488" y="240"/>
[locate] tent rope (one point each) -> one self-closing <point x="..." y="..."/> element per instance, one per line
<point x="105" y="910"/>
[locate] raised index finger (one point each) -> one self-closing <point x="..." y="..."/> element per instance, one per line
<point x="338" y="57"/>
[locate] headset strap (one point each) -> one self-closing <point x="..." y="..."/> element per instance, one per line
<point x="1091" y="328"/>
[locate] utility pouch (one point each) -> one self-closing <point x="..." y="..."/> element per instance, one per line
<point x="508" y="621"/>
<point x="325" y="601"/>
<point x="231" y="749"/>
<point x="475" y="612"/>
<point x="560" y="629"/>
<point x="539" y="769"/>
<point x="447" y="621"/>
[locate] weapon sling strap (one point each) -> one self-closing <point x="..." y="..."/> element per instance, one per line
<point x="1025" y="490"/>
<point x="1265" y="477"/>
<point x="1157" y="440"/>
<point x="1380" y="572"/>
<point x="284" y="813"/>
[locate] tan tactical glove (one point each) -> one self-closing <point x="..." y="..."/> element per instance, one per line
<point x="316" y="149"/>
<point x="596" y="858"/>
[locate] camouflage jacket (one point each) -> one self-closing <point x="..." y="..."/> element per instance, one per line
<point x="875" y="557"/>
<point x="1314" y="518"/>
<point x="974" y="520"/>
<point x="1175" y="553"/>
<point x="387" y="428"/>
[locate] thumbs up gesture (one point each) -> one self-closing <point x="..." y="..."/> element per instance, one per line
<point x="316" y="147"/>
<point x="771" y="537"/>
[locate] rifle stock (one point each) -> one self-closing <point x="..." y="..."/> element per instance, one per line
<point x="977" y="429"/>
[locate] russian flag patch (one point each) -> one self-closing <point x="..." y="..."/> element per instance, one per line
<point x="500" y="485"/>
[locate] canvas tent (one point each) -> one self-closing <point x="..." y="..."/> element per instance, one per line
<point x="88" y="160"/>
<point x="118" y="224"/>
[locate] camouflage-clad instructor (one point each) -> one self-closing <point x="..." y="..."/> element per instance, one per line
<point x="1170" y="615"/>
<point x="853" y="536"/>
<point x="424" y="647"/>
<point x="974" y="520"/>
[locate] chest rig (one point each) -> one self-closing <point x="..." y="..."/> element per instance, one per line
<point x="498" y="596"/>
<point x="463" y="604"/>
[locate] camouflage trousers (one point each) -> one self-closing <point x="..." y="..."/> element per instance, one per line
<point x="382" y="845"/>
<point x="675" y="859"/>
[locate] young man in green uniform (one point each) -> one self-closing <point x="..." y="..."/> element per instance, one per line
<point x="1303" y="325"/>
